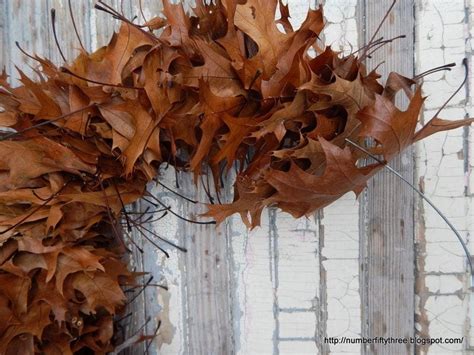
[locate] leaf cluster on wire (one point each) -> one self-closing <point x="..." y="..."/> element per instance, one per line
<point x="225" y="86"/>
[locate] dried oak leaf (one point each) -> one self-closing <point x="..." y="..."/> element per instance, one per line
<point x="392" y="128"/>
<point x="106" y="64"/>
<point x="257" y="19"/>
<point x="32" y="322"/>
<point x="300" y="193"/>
<point x="16" y="289"/>
<point x="436" y="125"/>
<point x="99" y="291"/>
<point x="72" y="260"/>
<point x="34" y="157"/>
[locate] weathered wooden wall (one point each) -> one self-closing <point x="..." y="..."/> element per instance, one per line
<point x="387" y="205"/>
<point x="383" y="265"/>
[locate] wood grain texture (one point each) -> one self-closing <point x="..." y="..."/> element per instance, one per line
<point x="208" y="324"/>
<point x="35" y="40"/>
<point x="3" y="36"/>
<point x="387" y="226"/>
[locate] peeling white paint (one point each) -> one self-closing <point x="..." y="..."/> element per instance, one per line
<point x="442" y="29"/>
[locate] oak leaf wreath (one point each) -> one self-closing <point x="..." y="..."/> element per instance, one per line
<point x="226" y="86"/>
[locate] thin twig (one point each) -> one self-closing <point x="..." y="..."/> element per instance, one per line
<point x="53" y="22"/>
<point x="36" y="59"/>
<point x="177" y="215"/>
<point x="154" y="336"/>
<point x="378" y="29"/>
<point x="74" y="25"/>
<point x="140" y="5"/>
<point x="466" y="75"/>
<point x="131" y="289"/>
<point x="130" y="238"/>
<point x="150" y="219"/>
<point x="36" y="209"/>
<point x="13" y="134"/>
<point x="381" y="44"/>
<point x="137" y="225"/>
<point x="68" y="71"/>
<point x="175" y="192"/>
<point x="124" y="211"/>
<point x="152" y="242"/>
<point x="102" y="6"/>
<point x="444" y="67"/>
<point x="141" y="290"/>
<point x="111" y="218"/>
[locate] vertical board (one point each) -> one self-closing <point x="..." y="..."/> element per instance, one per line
<point x="444" y="164"/>
<point x="207" y="302"/>
<point x="36" y="40"/>
<point x="339" y="222"/>
<point x="387" y="230"/>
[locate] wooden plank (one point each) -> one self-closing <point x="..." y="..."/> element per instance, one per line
<point x="340" y="308"/>
<point x="252" y="260"/>
<point x="208" y="323"/>
<point x="444" y="164"/>
<point x="168" y="307"/>
<point x="387" y="226"/>
<point x="196" y="312"/>
<point x="26" y="24"/>
<point x="65" y="30"/>
<point x="4" y="35"/>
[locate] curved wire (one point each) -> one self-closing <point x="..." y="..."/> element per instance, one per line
<point x="423" y="196"/>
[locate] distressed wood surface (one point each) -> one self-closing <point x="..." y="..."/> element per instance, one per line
<point x="339" y="222"/>
<point x="286" y="286"/>
<point x="445" y="161"/>
<point x="387" y="235"/>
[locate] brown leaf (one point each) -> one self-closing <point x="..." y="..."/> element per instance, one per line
<point x="99" y="291"/>
<point x="72" y="260"/>
<point x="289" y="60"/>
<point x="15" y="288"/>
<point x="8" y="119"/>
<point x="436" y="125"/>
<point x="106" y="64"/>
<point x="239" y="129"/>
<point x="156" y="23"/>
<point x="276" y="123"/>
<point x="177" y="33"/>
<point x="300" y="193"/>
<point x="257" y="19"/>
<point x="213" y="107"/>
<point x="33" y="322"/>
<point x="392" y="128"/>
<point x="248" y="203"/>
<point x="78" y="121"/>
<point x="29" y="159"/>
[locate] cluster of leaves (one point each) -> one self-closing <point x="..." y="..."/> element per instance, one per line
<point x="227" y="86"/>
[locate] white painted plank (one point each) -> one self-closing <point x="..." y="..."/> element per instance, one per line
<point x="443" y="164"/>
<point x="340" y="221"/>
